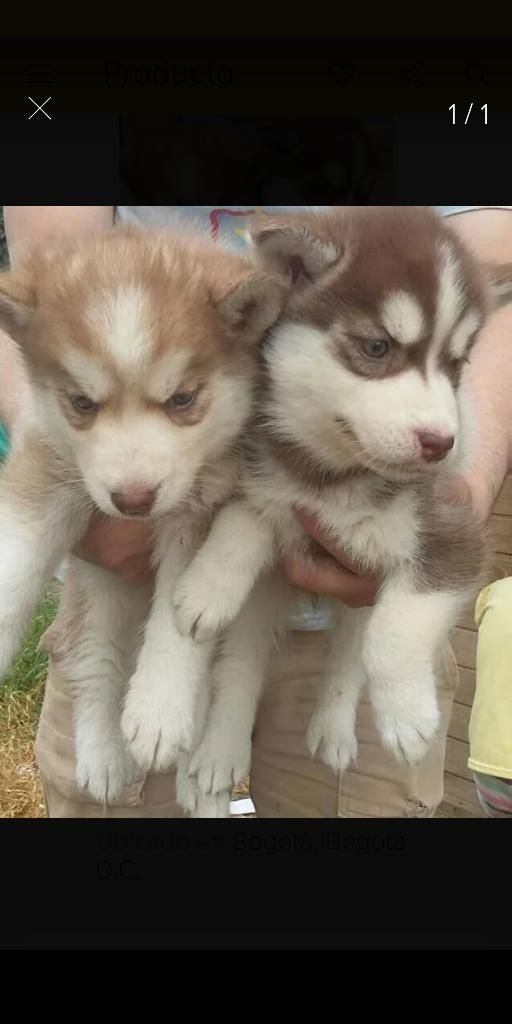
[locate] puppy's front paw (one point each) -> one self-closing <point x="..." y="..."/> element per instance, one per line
<point x="104" y="769"/>
<point x="187" y="789"/>
<point x="213" y="806"/>
<point x="408" y="723"/>
<point x="156" y="728"/>
<point x="331" y="737"/>
<point x="192" y="800"/>
<point x="220" y="762"/>
<point x="202" y="608"/>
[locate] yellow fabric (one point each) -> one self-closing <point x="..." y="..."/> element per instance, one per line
<point x="490" y="728"/>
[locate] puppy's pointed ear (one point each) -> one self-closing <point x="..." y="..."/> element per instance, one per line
<point x="292" y="249"/>
<point x="17" y="303"/>
<point x="252" y="305"/>
<point x="499" y="278"/>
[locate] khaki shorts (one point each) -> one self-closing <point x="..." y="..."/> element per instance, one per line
<point x="285" y="781"/>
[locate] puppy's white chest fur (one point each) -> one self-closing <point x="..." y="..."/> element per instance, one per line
<point x="379" y="528"/>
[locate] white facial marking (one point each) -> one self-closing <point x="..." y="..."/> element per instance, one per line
<point x="316" y="394"/>
<point x="165" y="376"/>
<point x="90" y="376"/>
<point x="449" y="295"/>
<point x="462" y="333"/>
<point x="403" y="317"/>
<point x="75" y="266"/>
<point x="141" y="447"/>
<point x="122" y="320"/>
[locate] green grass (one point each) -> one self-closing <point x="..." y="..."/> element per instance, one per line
<point x="21" y="696"/>
<point x="29" y="669"/>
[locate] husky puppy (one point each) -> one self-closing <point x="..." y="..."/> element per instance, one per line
<point x="360" y="413"/>
<point x="141" y="350"/>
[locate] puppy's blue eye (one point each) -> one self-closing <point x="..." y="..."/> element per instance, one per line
<point x="83" y="404"/>
<point x="181" y="400"/>
<point x="375" y="348"/>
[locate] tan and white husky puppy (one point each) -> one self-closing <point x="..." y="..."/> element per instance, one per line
<point x="141" y="350"/>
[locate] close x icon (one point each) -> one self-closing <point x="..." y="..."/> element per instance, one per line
<point x="39" y="108"/>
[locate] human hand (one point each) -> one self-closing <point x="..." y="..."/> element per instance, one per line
<point x="122" y="546"/>
<point x="335" y="575"/>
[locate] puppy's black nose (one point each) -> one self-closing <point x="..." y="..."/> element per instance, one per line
<point x="134" y="501"/>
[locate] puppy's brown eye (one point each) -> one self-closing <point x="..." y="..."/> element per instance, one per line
<point x="375" y="348"/>
<point x="83" y="404"/>
<point x="181" y="400"/>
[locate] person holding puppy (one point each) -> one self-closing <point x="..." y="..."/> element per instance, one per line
<point x="285" y="781"/>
